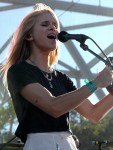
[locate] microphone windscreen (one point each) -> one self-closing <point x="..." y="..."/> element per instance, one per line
<point x="62" y="36"/>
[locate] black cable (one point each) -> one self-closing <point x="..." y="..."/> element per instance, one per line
<point x="109" y="61"/>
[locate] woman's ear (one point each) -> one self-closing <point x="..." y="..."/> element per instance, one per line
<point x="29" y="37"/>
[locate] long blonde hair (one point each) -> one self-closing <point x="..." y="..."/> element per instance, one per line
<point x="20" y="48"/>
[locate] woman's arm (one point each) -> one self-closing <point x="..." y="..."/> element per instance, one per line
<point x="57" y="106"/>
<point x="96" y="112"/>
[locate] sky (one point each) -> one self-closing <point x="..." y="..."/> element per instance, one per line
<point x="103" y="35"/>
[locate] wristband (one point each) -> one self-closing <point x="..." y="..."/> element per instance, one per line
<point x="91" y="85"/>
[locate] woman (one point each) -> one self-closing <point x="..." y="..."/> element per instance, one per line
<point x="42" y="96"/>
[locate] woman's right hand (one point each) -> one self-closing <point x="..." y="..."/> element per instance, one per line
<point x="104" y="78"/>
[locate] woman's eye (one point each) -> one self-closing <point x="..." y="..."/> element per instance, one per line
<point x="44" y="25"/>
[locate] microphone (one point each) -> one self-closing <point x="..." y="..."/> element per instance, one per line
<point x="100" y="142"/>
<point x="63" y="36"/>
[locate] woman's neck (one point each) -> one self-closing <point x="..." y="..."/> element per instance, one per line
<point x="41" y="65"/>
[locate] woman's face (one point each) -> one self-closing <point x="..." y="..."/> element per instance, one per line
<point x="45" y="32"/>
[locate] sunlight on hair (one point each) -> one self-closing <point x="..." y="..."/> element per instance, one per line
<point x="40" y="6"/>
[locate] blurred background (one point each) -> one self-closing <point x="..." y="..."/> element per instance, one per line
<point x="92" y="18"/>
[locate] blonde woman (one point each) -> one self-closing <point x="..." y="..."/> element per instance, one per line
<point x="42" y="96"/>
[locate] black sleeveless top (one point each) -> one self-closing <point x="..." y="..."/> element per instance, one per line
<point x="31" y="118"/>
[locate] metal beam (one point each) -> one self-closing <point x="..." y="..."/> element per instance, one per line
<point x="62" y="5"/>
<point x="89" y="25"/>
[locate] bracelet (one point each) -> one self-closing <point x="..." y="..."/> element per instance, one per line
<point x="91" y="85"/>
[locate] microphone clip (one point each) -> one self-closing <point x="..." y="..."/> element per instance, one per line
<point x="84" y="46"/>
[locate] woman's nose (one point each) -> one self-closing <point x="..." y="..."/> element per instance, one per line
<point x="52" y="27"/>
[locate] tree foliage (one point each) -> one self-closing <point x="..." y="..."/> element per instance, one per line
<point x="7" y="115"/>
<point x="88" y="132"/>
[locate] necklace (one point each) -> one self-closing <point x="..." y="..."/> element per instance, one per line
<point x="48" y="76"/>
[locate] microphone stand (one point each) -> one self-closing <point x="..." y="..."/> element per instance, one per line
<point x="107" y="62"/>
<point x="86" y="48"/>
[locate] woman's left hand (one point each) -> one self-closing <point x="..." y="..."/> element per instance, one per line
<point x="110" y="89"/>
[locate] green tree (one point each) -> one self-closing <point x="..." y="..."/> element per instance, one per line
<point x="7" y="115"/>
<point x="87" y="131"/>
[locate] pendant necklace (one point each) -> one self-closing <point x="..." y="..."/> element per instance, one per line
<point x="48" y="76"/>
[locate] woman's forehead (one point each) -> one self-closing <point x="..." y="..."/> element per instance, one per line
<point x="47" y="15"/>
